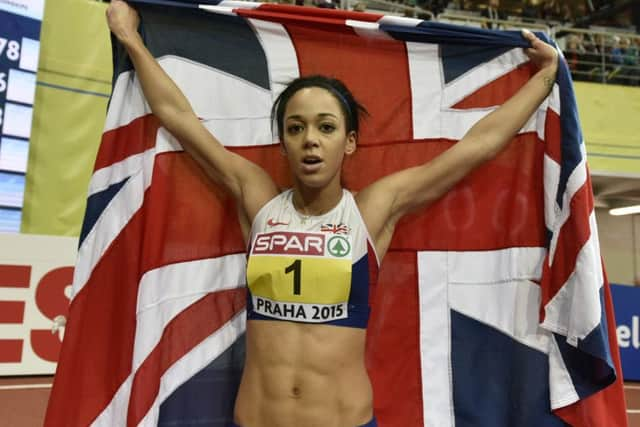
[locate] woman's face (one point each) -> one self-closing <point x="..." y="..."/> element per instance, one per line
<point x="315" y="138"/>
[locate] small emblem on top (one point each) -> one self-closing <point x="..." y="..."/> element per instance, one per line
<point x="272" y="223"/>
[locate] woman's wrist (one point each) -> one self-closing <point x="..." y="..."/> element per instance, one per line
<point x="547" y="75"/>
<point x="130" y="39"/>
<point x="549" y="79"/>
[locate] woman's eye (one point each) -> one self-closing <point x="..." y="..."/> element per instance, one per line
<point x="327" y="127"/>
<point x="293" y="129"/>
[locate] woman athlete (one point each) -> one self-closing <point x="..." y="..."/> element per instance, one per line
<point x="307" y="306"/>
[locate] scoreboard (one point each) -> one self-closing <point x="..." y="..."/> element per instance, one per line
<point x="20" y="22"/>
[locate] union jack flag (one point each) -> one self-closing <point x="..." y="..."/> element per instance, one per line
<point x="335" y="228"/>
<point x="492" y="307"/>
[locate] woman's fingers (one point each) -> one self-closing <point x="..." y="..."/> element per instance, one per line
<point x="528" y="35"/>
<point x="541" y="54"/>
<point x="122" y="19"/>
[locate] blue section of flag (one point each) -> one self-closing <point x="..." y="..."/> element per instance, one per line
<point x="571" y="140"/>
<point x="458" y="59"/>
<point x="588" y="374"/>
<point x="497" y="381"/>
<point x="203" y="38"/>
<point x="571" y="135"/>
<point x="96" y="204"/>
<point x="437" y="32"/>
<point x="590" y="365"/>
<point x="193" y="403"/>
<point x="596" y="343"/>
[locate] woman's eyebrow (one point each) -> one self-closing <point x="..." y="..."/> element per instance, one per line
<point x="300" y="117"/>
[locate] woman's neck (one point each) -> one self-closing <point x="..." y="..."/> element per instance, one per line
<point x="314" y="202"/>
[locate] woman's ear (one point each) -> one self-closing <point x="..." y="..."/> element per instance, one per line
<point x="352" y="139"/>
<point x="283" y="149"/>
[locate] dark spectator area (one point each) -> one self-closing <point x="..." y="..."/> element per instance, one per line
<point x="603" y="58"/>
<point x="599" y="38"/>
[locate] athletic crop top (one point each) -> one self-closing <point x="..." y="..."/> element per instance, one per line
<point x="313" y="269"/>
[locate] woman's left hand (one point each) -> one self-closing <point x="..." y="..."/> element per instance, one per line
<point x="543" y="55"/>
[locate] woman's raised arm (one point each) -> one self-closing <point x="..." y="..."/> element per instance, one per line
<point x="246" y="181"/>
<point x="385" y="201"/>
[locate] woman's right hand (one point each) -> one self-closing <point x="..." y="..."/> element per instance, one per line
<point x="123" y="20"/>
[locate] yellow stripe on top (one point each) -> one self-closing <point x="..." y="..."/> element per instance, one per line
<point x="308" y="280"/>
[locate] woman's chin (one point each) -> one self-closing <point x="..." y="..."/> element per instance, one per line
<point x="313" y="181"/>
<point x="315" y="184"/>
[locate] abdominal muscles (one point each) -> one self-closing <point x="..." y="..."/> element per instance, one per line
<point x="299" y="374"/>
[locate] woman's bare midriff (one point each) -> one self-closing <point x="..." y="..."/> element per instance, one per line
<point x="299" y="374"/>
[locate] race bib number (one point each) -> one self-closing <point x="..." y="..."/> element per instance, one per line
<point x="303" y="277"/>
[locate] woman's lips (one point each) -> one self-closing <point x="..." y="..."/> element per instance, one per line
<point x="311" y="164"/>
<point x="312" y="167"/>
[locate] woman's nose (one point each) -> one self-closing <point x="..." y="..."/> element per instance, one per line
<point x="311" y="138"/>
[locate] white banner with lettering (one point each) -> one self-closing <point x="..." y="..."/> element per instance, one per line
<point x="36" y="273"/>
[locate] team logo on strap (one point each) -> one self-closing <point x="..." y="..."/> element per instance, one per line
<point x="341" y="228"/>
<point x="339" y="246"/>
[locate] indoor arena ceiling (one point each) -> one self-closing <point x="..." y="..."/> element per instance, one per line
<point x="615" y="191"/>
